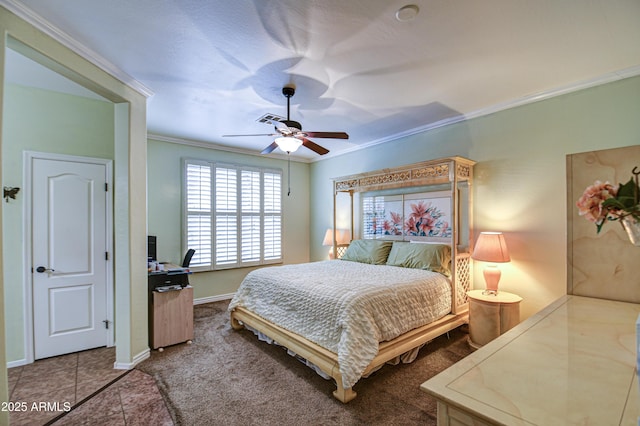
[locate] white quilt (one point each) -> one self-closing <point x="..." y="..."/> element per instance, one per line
<point x="346" y="307"/>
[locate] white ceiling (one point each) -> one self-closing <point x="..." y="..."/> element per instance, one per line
<point x="215" y="67"/>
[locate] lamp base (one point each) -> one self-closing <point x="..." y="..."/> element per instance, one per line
<point x="491" y="278"/>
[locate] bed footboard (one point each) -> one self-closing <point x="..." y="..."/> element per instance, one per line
<point x="322" y="358"/>
<point x="327" y="361"/>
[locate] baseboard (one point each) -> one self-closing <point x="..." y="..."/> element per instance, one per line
<point x="17" y="363"/>
<point x="210" y="299"/>
<point x="146" y="353"/>
<point x="136" y="360"/>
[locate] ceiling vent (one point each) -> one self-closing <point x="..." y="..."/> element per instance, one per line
<point x="267" y="118"/>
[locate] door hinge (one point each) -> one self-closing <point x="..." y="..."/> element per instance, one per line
<point x="106" y="323"/>
<point x="106" y="255"/>
<point x="106" y="187"/>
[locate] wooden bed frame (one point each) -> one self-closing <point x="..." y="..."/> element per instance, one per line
<point x="327" y="361"/>
<point x="454" y="171"/>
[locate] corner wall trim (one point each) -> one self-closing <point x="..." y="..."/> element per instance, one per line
<point x="17" y="363"/>
<point x="136" y="360"/>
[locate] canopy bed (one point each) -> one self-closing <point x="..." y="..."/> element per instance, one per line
<point x="398" y="286"/>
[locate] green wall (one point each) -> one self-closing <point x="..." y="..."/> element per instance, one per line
<point x="43" y="121"/>
<point x="165" y="210"/>
<point x="129" y="105"/>
<point x="520" y="177"/>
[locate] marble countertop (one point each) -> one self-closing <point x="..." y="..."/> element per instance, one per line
<point x="574" y="362"/>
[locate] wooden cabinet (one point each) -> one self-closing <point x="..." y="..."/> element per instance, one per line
<point x="491" y="315"/>
<point x="171" y="317"/>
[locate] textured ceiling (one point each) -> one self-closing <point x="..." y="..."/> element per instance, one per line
<point x="215" y="67"/>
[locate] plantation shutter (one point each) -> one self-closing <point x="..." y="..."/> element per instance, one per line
<point x="241" y="225"/>
<point x="373" y="208"/>
<point x="198" y="192"/>
<point x="251" y="215"/>
<point x="226" y="236"/>
<point x="272" y="228"/>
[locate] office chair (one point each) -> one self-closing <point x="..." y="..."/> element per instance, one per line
<point x="187" y="258"/>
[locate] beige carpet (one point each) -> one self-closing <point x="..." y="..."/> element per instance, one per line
<point x="228" y="377"/>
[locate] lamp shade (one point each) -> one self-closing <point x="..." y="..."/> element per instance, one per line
<point x="288" y="143"/>
<point x="342" y="237"/>
<point x="491" y="247"/>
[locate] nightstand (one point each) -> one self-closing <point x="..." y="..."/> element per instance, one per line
<point x="491" y="315"/>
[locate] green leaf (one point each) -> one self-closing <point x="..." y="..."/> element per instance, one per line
<point x="627" y="195"/>
<point x="613" y="203"/>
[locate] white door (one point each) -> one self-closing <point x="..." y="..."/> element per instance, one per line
<point x="69" y="223"/>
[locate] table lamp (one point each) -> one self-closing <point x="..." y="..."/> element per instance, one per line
<point x="343" y="238"/>
<point x="491" y="247"/>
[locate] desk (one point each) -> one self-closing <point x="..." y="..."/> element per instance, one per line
<point x="170" y="311"/>
<point x="574" y="362"/>
<point x="171" y="319"/>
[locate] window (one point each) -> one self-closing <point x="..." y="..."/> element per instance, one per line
<point x="373" y="212"/>
<point x="241" y="225"/>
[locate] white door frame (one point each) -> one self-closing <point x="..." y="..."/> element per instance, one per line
<point x="28" y="157"/>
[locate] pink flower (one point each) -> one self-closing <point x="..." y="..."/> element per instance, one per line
<point x="419" y="211"/>
<point x="590" y="203"/>
<point x="445" y="226"/>
<point x="410" y="225"/>
<point x="396" y="218"/>
<point x="427" y="224"/>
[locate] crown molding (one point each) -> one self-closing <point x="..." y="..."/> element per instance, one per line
<point x="28" y="15"/>
<point x="525" y="100"/>
<point x="211" y="145"/>
<point x="41" y="24"/>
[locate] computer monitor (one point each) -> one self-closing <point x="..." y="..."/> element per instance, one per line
<point x="151" y="248"/>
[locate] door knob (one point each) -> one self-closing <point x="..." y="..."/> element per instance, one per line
<point x="42" y="269"/>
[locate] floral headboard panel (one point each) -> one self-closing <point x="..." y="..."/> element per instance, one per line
<point x="429" y="201"/>
<point x="421" y="216"/>
<point x="602" y="257"/>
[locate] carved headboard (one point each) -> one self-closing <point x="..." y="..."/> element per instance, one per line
<point x="451" y="178"/>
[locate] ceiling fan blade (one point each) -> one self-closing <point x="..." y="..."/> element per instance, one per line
<point x="280" y="126"/>
<point x="270" y="148"/>
<point x="331" y="135"/>
<point x="256" y="134"/>
<point x="277" y="123"/>
<point x="314" y="147"/>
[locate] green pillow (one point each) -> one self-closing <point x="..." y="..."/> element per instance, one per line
<point x="368" y="251"/>
<point x="432" y="257"/>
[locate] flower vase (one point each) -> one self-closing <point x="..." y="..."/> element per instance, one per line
<point x="632" y="226"/>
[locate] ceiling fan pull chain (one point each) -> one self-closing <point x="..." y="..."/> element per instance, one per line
<point x="289" y="173"/>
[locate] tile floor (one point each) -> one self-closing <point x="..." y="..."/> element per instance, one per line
<point x="83" y="388"/>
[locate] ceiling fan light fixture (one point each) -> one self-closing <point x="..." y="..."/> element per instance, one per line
<point x="288" y="144"/>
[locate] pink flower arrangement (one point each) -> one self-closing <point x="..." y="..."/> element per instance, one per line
<point x="590" y="203"/>
<point x="603" y="202"/>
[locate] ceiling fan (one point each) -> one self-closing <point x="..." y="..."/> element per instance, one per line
<point x="290" y="135"/>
